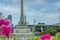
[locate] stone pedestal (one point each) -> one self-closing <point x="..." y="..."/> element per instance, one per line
<point x="22" y="32"/>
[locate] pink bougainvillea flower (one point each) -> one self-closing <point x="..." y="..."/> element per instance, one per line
<point x="45" y="37"/>
<point x="7" y="22"/>
<point x="4" y="22"/>
<point x="1" y="21"/>
<point x="9" y="30"/>
<point x="6" y="30"/>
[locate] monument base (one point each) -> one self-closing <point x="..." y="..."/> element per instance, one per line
<point x="22" y="32"/>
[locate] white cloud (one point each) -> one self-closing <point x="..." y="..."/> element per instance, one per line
<point x="39" y="16"/>
<point x="39" y="1"/>
<point x="10" y="9"/>
<point x="14" y="1"/>
<point x="34" y="3"/>
<point x="57" y="4"/>
<point x="29" y="12"/>
<point x="51" y="16"/>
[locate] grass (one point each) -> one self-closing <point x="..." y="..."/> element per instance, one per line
<point x="33" y="38"/>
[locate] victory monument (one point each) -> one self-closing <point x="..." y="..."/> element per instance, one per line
<point x="22" y="31"/>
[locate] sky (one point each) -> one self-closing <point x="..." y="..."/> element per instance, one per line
<point x="43" y="11"/>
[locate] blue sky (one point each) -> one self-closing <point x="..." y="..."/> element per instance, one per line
<point x="41" y="10"/>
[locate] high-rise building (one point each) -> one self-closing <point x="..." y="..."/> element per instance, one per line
<point x="10" y="18"/>
<point x="1" y="15"/>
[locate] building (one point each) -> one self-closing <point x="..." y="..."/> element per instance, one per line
<point x="1" y="15"/>
<point x="10" y="18"/>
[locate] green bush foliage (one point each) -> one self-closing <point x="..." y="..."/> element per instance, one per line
<point x="34" y="38"/>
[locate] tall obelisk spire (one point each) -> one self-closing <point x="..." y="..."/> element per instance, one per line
<point x="22" y="15"/>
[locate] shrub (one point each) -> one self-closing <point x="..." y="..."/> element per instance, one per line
<point x="34" y="38"/>
<point x="58" y="36"/>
